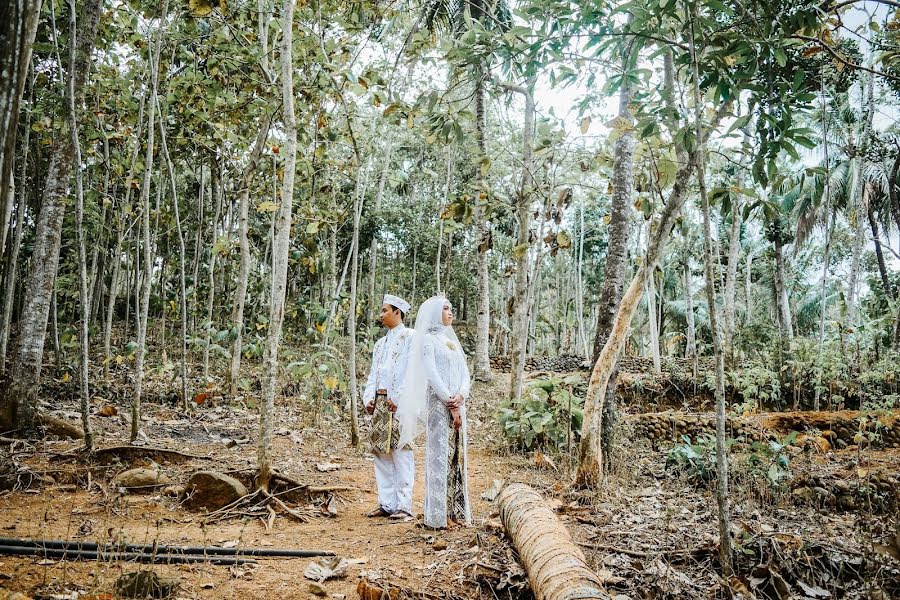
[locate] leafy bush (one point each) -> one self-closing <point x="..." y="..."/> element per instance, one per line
<point x="771" y="461"/>
<point x="695" y="461"/>
<point x="547" y="415"/>
<point x="322" y="372"/>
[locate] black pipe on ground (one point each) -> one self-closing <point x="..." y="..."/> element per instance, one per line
<point x="163" y="549"/>
<point x="139" y="557"/>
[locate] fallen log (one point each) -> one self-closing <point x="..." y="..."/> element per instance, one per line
<point x="556" y="566"/>
<point x="59" y="427"/>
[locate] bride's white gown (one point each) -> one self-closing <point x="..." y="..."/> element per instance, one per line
<point x="446" y="488"/>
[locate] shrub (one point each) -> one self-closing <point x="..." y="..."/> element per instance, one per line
<point x="547" y="416"/>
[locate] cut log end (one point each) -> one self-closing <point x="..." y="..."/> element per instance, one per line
<point x="556" y="566"/>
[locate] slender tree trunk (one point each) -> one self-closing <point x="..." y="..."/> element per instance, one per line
<point x="590" y="451"/>
<point x="652" y="323"/>
<point x="748" y="289"/>
<point x="481" y="362"/>
<point x="521" y="252"/>
<point x="84" y="300"/>
<point x="879" y="254"/>
<point x="372" y="305"/>
<point x="860" y="200"/>
<point x="710" y="260"/>
<point x="143" y="309"/>
<point x="18" y="25"/>
<point x="781" y="296"/>
<point x="12" y="266"/>
<point x="618" y="235"/>
<point x="181" y="261"/>
<point x="280" y="251"/>
<point x="351" y="318"/>
<point x="240" y="294"/>
<point x="18" y="408"/>
<point x="218" y="192"/>
<point x="734" y="251"/>
<point x="443" y="204"/>
<point x="690" y="349"/>
<point x="582" y="343"/>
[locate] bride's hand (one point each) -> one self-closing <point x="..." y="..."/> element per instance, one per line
<point x="457" y="418"/>
<point x="455" y="402"/>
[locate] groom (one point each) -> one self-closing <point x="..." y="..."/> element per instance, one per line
<point x="394" y="467"/>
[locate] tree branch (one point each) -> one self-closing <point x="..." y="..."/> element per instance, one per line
<point x="843" y="60"/>
<point x="826" y="8"/>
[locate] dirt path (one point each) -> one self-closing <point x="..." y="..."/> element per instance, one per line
<point x="400" y="552"/>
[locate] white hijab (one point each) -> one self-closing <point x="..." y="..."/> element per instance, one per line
<point x="429" y="325"/>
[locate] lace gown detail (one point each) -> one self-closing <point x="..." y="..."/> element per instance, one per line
<point x="446" y="487"/>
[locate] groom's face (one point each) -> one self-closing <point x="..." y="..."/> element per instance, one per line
<point x="390" y="316"/>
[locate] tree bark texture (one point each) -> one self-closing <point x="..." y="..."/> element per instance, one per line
<point x="18" y="25"/>
<point x="482" y="366"/>
<point x="240" y="292"/>
<point x="19" y="404"/>
<point x="142" y="309"/>
<point x="280" y="251"/>
<point x="556" y="566"/>
<point x="519" y="325"/>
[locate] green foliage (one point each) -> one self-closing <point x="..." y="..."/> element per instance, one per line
<point x="547" y="416"/>
<point x="696" y="461"/>
<point x="771" y="462"/>
<point x="322" y="374"/>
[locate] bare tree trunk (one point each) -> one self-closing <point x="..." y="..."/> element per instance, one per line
<point x="218" y="193"/>
<point x="443" y="204"/>
<point x="143" y="310"/>
<point x="690" y="349"/>
<point x="372" y="305"/>
<point x="590" y="451"/>
<point x="618" y="234"/>
<point x="781" y="297"/>
<point x="19" y="404"/>
<point x="18" y="25"/>
<point x="652" y="323"/>
<point x="280" y="251"/>
<point x="734" y="250"/>
<point x="12" y="266"/>
<point x="240" y="294"/>
<point x="879" y="254"/>
<point x="84" y="300"/>
<point x="481" y="362"/>
<point x="351" y="318"/>
<point x="713" y="309"/>
<point x="582" y="343"/>
<point x="522" y="250"/>
<point x="181" y="261"/>
<point x="860" y="200"/>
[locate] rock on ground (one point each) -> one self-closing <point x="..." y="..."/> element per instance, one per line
<point x="140" y="477"/>
<point x="212" y="490"/>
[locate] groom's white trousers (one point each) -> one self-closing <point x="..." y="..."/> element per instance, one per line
<point x="394" y="474"/>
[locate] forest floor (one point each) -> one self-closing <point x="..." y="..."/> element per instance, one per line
<point x="649" y="534"/>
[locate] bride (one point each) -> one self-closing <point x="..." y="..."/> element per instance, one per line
<point x="438" y="380"/>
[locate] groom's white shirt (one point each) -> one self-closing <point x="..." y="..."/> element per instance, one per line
<point x="395" y="470"/>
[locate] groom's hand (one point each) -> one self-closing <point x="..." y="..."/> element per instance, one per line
<point x="370" y="407"/>
<point x="391" y="406"/>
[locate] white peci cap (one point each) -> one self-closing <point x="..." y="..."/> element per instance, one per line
<point x="397" y="301"/>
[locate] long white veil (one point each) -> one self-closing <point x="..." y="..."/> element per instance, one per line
<point x="411" y="411"/>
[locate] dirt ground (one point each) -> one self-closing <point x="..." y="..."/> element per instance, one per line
<point x="650" y="534"/>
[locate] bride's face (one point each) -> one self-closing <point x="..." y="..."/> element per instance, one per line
<point x="447" y="314"/>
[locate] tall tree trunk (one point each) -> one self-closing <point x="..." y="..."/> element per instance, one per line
<point x="182" y="286"/>
<point x="481" y="362"/>
<point x="12" y="265"/>
<point x="734" y="251"/>
<point x="860" y="200"/>
<point x="84" y="299"/>
<point x="240" y="293"/>
<point x="522" y="251"/>
<point x="351" y="317"/>
<point x="781" y="296"/>
<point x="590" y="451"/>
<point x="710" y="259"/>
<point x="690" y="349"/>
<point x="582" y="343"/>
<point x="280" y="250"/>
<point x="19" y="404"/>
<point x="879" y="254"/>
<point x="618" y="235"/>
<point x="372" y="304"/>
<point x="142" y="310"/>
<point x="652" y="324"/>
<point x="443" y="204"/>
<point x="218" y="193"/>
<point x="18" y="25"/>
